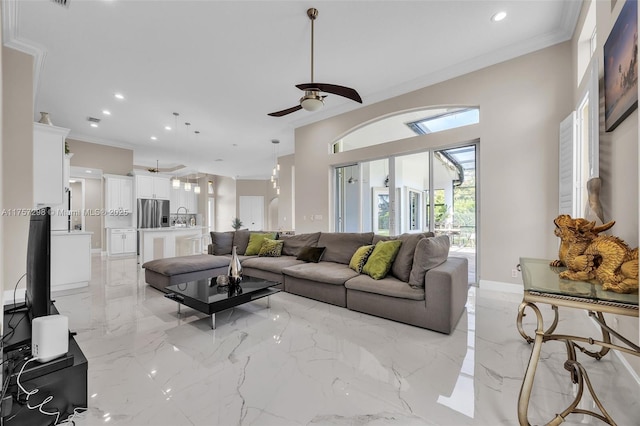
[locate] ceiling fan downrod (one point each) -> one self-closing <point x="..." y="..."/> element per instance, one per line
<point x="312" y="13"/>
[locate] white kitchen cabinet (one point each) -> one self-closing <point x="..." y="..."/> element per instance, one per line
<point x="182" y="198"/>
<point x="121" y="241"/>
<point x="118" y="193"/>
<point x="148" y="186"/>
<point x="48" y="165"/>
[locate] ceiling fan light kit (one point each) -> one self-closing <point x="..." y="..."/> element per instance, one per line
<point x="312" y="99"/>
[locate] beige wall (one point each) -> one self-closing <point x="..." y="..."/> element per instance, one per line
<point x="1" y="192"/>
<point x="286" y="198"/>
<point x="17" y="160"/>
<point x="522" y="102"/>
<point x="225" y="207"/>
<point x="618" y="161"/>
<point x="109" y="159"/>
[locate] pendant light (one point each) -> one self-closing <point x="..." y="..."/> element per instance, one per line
<point x="275" y="175"/>
<point x="196" y="188"/>
<point x="175" y="182"/>
<point x="187" y="184"/>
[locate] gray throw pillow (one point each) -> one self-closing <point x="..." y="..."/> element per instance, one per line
<point x="401" y="268"/>
<point x="341" y="245"/>
<point x="430" y="252"/>
<point x="294" y="243"/>
<point x="241" y="240"/>
<point x="311" y="254"/>
<point x="221" y="242"/>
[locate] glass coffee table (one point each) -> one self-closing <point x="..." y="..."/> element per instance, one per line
<point x="207" y="297"/>
<point x="542" y="285"/>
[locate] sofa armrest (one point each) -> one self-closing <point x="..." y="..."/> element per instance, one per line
<point x="446" y="288"/>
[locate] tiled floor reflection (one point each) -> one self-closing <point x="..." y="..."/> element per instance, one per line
<point x="302" y="362"/>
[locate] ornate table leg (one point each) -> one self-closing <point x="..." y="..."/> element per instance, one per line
<point x="527" y="382"/>
<point x="521" y="315"/>
<point x="580" y="377"/>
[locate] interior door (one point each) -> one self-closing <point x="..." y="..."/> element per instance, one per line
<point x="252" y="212"/>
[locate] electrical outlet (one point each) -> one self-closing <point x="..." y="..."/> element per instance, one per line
<point x="514" y="273"/>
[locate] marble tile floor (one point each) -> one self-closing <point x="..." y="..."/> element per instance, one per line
<point x="302" y="362"/>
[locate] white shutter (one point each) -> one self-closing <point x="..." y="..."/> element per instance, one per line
<point x="566" y="168"/>
<point x="594" y="121"/>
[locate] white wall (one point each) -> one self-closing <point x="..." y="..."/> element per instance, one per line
<point x="522" y="102"/>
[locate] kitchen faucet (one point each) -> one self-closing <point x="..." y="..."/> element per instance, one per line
<point x="181" y="221"/>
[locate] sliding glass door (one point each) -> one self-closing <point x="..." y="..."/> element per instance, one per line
<point x="427" y="191"/>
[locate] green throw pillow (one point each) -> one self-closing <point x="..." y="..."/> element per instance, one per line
<point x="360" y="257"/>
<point x="255" y="242"/>
<point x="271" y="248"/>
<point x="381" y="259"/>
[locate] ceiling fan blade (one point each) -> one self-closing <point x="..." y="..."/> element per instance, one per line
<point x="285" y="111"/>
<point x="343" y="91"/>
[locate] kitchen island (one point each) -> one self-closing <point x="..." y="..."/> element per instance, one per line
<point x="159" y="243"/>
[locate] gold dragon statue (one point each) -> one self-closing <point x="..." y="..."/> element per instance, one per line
<point x="588" y="255"/>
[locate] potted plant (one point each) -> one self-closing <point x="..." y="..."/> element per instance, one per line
<point x="236" y="223"/>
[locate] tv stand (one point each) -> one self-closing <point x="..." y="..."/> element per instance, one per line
<point x="64" y="378"/>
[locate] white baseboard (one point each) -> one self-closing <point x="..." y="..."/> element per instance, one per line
<point x="8" y="296"/>
<point x="500" y="286"/>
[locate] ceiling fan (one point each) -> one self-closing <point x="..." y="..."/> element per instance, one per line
<point x="312" y="99"/>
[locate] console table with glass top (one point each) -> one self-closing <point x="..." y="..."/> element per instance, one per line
<point x="542" y="285"/>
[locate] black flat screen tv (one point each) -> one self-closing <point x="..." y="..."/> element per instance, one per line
<point x="38" y="293"/>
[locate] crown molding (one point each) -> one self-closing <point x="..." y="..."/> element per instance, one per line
<point x="11" y="39"/>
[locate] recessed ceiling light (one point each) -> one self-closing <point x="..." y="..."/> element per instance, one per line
<point x="499" y="16"/>
<point x="106" y="112"/>
<point x="93" y="124"/>
<point x="167" y="127"/>
<point x="119" y="96"/>
<point x="153" y="138"/>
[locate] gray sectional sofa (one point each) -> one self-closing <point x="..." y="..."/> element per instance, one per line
<point x="424" y="287"/>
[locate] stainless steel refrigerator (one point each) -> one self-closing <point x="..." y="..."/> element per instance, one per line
<point x="153" y="213"/>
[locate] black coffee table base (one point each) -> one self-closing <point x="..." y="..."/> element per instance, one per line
<point x="211" y="299"/>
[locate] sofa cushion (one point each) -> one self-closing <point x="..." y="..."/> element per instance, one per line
<point x="401" y="267"/>
<point x="241" y="240"/>
<point x="430" y="252"/>
<point x="221" y="242"/>
<point x="324" y="272"/>
<point x="341" y="245"/>
<point x="271" y="264"/>
<point x="388" y="286"/>
<point x="293" y="243"/>
<point x="360" y="257"/>
<point x="184" y="264"/>
<point x="381" y="259"/>
<point x="311" y="254"/>
<point x="377" y="238"/>
<point x="255" y="242"/>
<point x="271" y="248"/>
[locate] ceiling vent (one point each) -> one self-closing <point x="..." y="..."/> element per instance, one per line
<point x="93" y="120"/>
<point x="64" y="3"/>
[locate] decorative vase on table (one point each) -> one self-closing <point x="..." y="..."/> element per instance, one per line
<point x="235" y="269"/>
